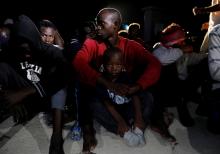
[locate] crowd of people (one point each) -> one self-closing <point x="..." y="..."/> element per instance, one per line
<point x="123" y="83"/>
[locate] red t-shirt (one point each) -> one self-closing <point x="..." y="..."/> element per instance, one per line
<point x="89" y="59"/>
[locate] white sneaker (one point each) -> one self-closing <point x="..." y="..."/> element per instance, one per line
<point x="140" y="135"/>
<point x="131" y="139"/>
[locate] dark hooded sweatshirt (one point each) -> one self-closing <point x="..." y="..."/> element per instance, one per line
<point x="42" y="65"/>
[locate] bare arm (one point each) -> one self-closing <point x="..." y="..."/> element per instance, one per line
<point x="14" y="97"/>
<point x="202" y="10"/>
<point x="120" y="89"/>
<point x="122" y="126"/>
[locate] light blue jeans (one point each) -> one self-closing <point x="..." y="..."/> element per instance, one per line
<point x="58" y="99"/>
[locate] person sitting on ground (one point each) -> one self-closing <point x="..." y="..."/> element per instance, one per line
<point x="30" y="74"/>
<point x="120" y="110"/>
<point x="141" y="65"/>
<point x="50" y="35"/>
<point x="177" y="55"/>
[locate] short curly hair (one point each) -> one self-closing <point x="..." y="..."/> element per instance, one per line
<point x="117" y="15"/>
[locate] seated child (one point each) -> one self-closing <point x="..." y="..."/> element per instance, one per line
<point x="125" y="112"/>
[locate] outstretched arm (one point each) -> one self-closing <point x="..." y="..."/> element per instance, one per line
<point x="202" y="10"/>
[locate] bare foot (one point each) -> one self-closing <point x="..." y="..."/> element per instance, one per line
<point x="89" y="140"/>
<point x="168" y="118"/>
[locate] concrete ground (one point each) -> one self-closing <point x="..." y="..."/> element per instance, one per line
<point x="34" y="137"/>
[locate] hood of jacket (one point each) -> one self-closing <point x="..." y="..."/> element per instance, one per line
<point x="25" y="28"/>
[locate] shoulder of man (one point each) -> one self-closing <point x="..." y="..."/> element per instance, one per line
<point x="132" y="45"/>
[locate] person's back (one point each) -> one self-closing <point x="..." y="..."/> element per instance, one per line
<point x="214" y="54"/>
<point x="170" y="51"/>
<point x="213" y="106"/>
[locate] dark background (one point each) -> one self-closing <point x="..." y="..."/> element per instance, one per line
<point x="68" y="14"/>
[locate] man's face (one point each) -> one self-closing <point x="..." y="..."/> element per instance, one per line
<point x="105" y="25"/>
<point x="47" y="34"/>
<point x="24" y="51"/>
